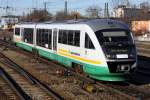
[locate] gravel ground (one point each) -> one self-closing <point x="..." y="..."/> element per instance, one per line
<point x="6" y="34"/>
<point x="67" y="86"/>
<point x="6" y="92"/>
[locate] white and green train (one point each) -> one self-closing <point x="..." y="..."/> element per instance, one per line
<point x="102" y="48"/>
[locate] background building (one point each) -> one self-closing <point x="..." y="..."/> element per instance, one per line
<point x="130" y="13"/>
<point x="141" y="27"/>
<point x="8" y="21"/>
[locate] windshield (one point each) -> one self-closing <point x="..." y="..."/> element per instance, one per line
<point x="113" y="36"/>
<point x="116" y="42"/>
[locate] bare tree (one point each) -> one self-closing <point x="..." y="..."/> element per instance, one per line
<point x="60" y="15"/>
<point x="93" y="11"/>
<point x="38" y="16"/>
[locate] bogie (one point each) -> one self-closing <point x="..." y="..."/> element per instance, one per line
<point x="77" y="68"/>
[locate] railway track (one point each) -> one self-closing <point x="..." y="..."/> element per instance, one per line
<point x="142" y="42"/>
<point x="143" y="48"/>
<point x="41" y="71"/>
<point x="121" y="90"/>
<point x="127" y="90"/>
<point x="6" y="91"/>
<point x="31" y="87"/>
<point x="22" y="95"/>
<point x="139" y="93"/>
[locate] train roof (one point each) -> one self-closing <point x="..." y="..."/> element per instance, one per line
<point x="94" y="24"/>
<point x="99" y="24"/>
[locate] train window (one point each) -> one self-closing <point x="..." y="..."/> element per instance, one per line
<point x="41" y="37"/>
<point x="88" y="42"/>
<point x="50" y="39"/>
<point x="70" y="37"/>
<point x="17" y="31"/>
<point x="28" y="35"/>
<point x="60" y="39"/>
<point x="65" y="36"/>
<point x="37" y="37"/>
<point x="77" y="38"/>
<point x="44" y="38"/>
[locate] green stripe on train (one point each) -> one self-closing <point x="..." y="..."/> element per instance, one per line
<point x="109" y="77"/>
<point x="26" y="47"/>
<point x="91" y="69"/>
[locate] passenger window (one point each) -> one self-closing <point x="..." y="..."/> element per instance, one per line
<point x="88" y="42"/>
<point x="77" y="38"/>
<point x="17" y="31"/>
<point x="44" y="38"/>
<point x="38" y="37"/>
<point x="28" y="35"/>
<point x="50" y="39"/>
<point x="65" y="37"/>
<point x="60" y="39"/>
<point x="70" y="37"/>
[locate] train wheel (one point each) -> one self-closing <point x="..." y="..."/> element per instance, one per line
<point x="78" y="68"/>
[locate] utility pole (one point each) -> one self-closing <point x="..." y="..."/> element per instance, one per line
<point x="106" y="11"/>
<point x="45" y="8"/>
<point x="66" y="9"/>
<point x="7" y="7"/>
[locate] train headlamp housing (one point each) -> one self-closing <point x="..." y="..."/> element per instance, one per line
<point x="111" y="56"/>
<point x="123" y="68"/>
<point x="131" y="55"/>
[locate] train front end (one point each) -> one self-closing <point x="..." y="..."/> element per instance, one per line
<point x="119" y="50"/>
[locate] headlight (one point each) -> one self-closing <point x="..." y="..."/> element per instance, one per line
<point x="110" y="56"/>
<point x="131" y="55"/>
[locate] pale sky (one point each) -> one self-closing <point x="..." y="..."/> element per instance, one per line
<point x="17" y="7"/>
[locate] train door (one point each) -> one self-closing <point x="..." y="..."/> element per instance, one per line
<point x="55" y="32"/>
<point x="22" y="34"/>
<point x="89" y="47"/>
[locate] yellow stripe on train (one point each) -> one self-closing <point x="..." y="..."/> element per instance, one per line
<point x="79" y="58"/>
<point x="63" y="50"/>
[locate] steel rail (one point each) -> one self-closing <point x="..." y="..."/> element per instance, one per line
<point x="14" y="85"/>
<point x="15" y="66"/>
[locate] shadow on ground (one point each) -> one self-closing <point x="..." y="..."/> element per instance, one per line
<point x="142" y="73"/>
